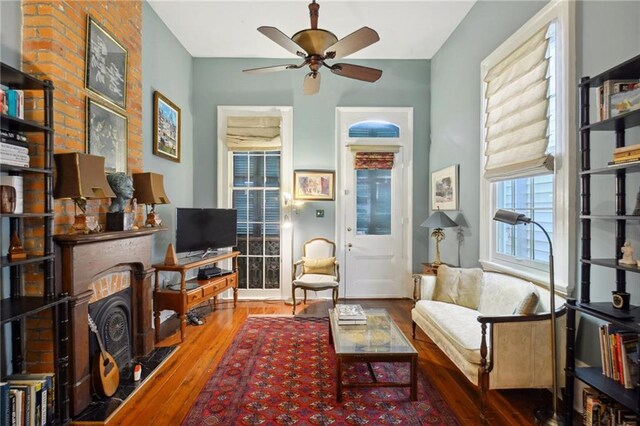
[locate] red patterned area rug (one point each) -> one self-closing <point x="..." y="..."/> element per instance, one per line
<point x="281" y="371"/>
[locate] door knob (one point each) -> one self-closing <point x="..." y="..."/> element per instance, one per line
<point x="349" y="229"/>
<point x="349" y="245"/>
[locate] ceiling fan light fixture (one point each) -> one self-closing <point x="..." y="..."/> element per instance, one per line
<point x="316" y="46"/>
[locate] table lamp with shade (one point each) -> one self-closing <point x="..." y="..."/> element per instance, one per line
<point x="437" y="221"/>
<point x="81" y="177"/>
<point x="149" y="189"/>
<point x="542" y="415"/>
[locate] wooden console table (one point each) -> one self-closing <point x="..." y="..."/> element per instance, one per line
<point x="184" y="299"/>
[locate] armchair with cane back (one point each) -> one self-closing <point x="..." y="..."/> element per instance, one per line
<point x="317" y="270"/>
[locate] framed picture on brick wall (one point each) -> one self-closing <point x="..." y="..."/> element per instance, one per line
<point x="106" y="65"/>
<point x="107" y="136"/>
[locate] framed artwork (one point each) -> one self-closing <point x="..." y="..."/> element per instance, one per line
<point x="107" y="136"/>
<point x="166" y="128"/>
<point x="314" y="185"/>
<point x="444" y="189"/>
<point x="106" y="65"/>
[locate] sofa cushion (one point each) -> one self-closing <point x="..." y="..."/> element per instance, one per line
<point x="502" y="294"/>
<point x="464" y="333"/>
<point x="528" y="305"/>
<point x="461" y="286"/>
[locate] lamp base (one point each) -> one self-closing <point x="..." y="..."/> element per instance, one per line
<point x="153" y="220"/>
<point x="84" y="224"/>
<point x="546" y="416"/>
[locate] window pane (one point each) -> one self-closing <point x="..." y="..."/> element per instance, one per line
<point x="240" y="203"/>
<point x="272" y="206"/>
<point x="255" y="212"/>
<point x="273" y="171"/>
<point x="272" y="272"/>
<point x="242" y="272"/>
<point x="374" y="129"/>
<point x="240" y="170"/>
<point x="373" y="198"/>
<point x="255" y="239"/>
<point x="256" y="171"/>
<point x="255" y="272"/>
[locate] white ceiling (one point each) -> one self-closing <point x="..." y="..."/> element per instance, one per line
<point x="227" y="29"/>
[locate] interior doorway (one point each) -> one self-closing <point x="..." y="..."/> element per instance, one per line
<point x="375" y="152"/>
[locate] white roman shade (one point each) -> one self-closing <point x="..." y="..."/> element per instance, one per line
<point x="516" y="119"/>
<point x="253" y="134"/>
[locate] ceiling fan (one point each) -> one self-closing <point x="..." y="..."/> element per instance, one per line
<point x="316" y="45"/>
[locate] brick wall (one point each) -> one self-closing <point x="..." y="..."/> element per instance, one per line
<point x="53" y="47"/>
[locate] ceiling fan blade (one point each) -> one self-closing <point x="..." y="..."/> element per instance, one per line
<point x="356" y="71"/>
<point x="355" y="41"/>
<point x="311" y="84"/>
<point x="281" y="38"/>
<point x="274" y="68"/>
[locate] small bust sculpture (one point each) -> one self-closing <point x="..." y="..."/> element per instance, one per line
<point x="122" y="186"/>
<point x="627" y="254"/>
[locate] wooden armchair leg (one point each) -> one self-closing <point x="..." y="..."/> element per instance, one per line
<point x="305" y="296"/>
<point x="335" y="296"/>
<point x="413" y="329"/>
<point x="293" y="299"/>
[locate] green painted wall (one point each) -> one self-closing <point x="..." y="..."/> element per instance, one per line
<point x="221" y="82"/>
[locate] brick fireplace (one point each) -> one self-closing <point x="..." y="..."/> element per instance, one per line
<point x="108" y="275"/>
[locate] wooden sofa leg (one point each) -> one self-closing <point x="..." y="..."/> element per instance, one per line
<point x="413" y="328"/>
<point x="293" y="298"/>
<point x="483" y="405"/>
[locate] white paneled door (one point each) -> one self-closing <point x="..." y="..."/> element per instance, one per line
<point x="374" y="187"/>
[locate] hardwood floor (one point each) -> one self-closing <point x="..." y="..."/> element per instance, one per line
<point x="167" y="398"/>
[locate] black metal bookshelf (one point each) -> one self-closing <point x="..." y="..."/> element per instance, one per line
<point x="629" y="320"/>
<point x="17" y="307"/>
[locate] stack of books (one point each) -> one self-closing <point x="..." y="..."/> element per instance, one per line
<point x="14" y="149"/>
<point x="28" y="399"/>
<point x="350" y="315"/>
<point x="599" y="409"/>
<point x="619" y="355"/>
<point x="12" y="102"/>
<point x="626" y="154"/>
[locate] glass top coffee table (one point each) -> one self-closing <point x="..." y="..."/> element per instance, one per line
<point x="380" y="340"/>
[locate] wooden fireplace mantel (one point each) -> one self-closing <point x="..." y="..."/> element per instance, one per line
<point x="81" y="260"/>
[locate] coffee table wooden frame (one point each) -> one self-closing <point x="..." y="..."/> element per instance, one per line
<point x="369" y="357"/>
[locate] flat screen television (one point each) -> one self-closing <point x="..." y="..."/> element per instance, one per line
<point x="205" y="229"/>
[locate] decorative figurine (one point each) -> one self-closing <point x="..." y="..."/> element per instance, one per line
<point x="117" y="218"/>
<point x="122" y="186"/>
<point x="627" y="254"/>
<point x="16" y="251"/>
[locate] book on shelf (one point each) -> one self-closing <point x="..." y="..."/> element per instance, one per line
<point x="350" y="312"/>
<point x="17" y="406"/>
<point x="10" y="134"/>
<point x="607" y="90"/>
<point x="15" y="103"/>
<point x="619" y="355"/>
<point x="617" y="163"/>
<point x="5" y="408"/>
<point x="10" y="148"/>
<point x="48" y="393"/>
<point x="16" y="163"/>
<point x="599" y="409"/>
<point x="624" y="102"/>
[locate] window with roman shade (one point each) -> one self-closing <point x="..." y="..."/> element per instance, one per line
<point x="528" y="145"/>
<point x="517" y="111"/>
<point x="373" y="160"/>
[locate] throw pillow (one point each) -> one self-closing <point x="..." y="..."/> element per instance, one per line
<point x="318" y="266"/>
<point x="528" y="305"/>
<point x="461" y="286"/>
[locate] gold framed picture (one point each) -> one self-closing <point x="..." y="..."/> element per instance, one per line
<point x="314" y="185"/>
<point x="166" y="128"/>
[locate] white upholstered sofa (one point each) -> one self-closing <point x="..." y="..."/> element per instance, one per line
<point x="495" y="328"/>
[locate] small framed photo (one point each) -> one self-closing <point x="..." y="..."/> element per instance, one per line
<point x="444" y="189"/>
<point x="314" y="185"/>
<point x="166" y="128"/>
<point x="107" y="136"/>
<point x="106" y="65"/>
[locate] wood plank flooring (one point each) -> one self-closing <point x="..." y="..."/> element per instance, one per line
<point x="168" y="396"/>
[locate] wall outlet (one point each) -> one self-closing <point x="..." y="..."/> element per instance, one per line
<point x="320" y="213"/>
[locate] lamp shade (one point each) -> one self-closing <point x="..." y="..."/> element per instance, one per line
<point x="439" y="220"/>
<point x="510" y="217"/>
<point x="149" y="188"/>
<point x="81" y="176"/>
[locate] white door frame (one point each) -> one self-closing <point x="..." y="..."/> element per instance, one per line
<point x="286" y="185"/>
<point x="402" y="116"/>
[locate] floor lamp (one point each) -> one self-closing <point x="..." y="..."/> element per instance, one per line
<point x="542" y="415"/>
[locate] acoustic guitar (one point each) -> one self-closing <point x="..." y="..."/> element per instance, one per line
<point x="105" y="374"/>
